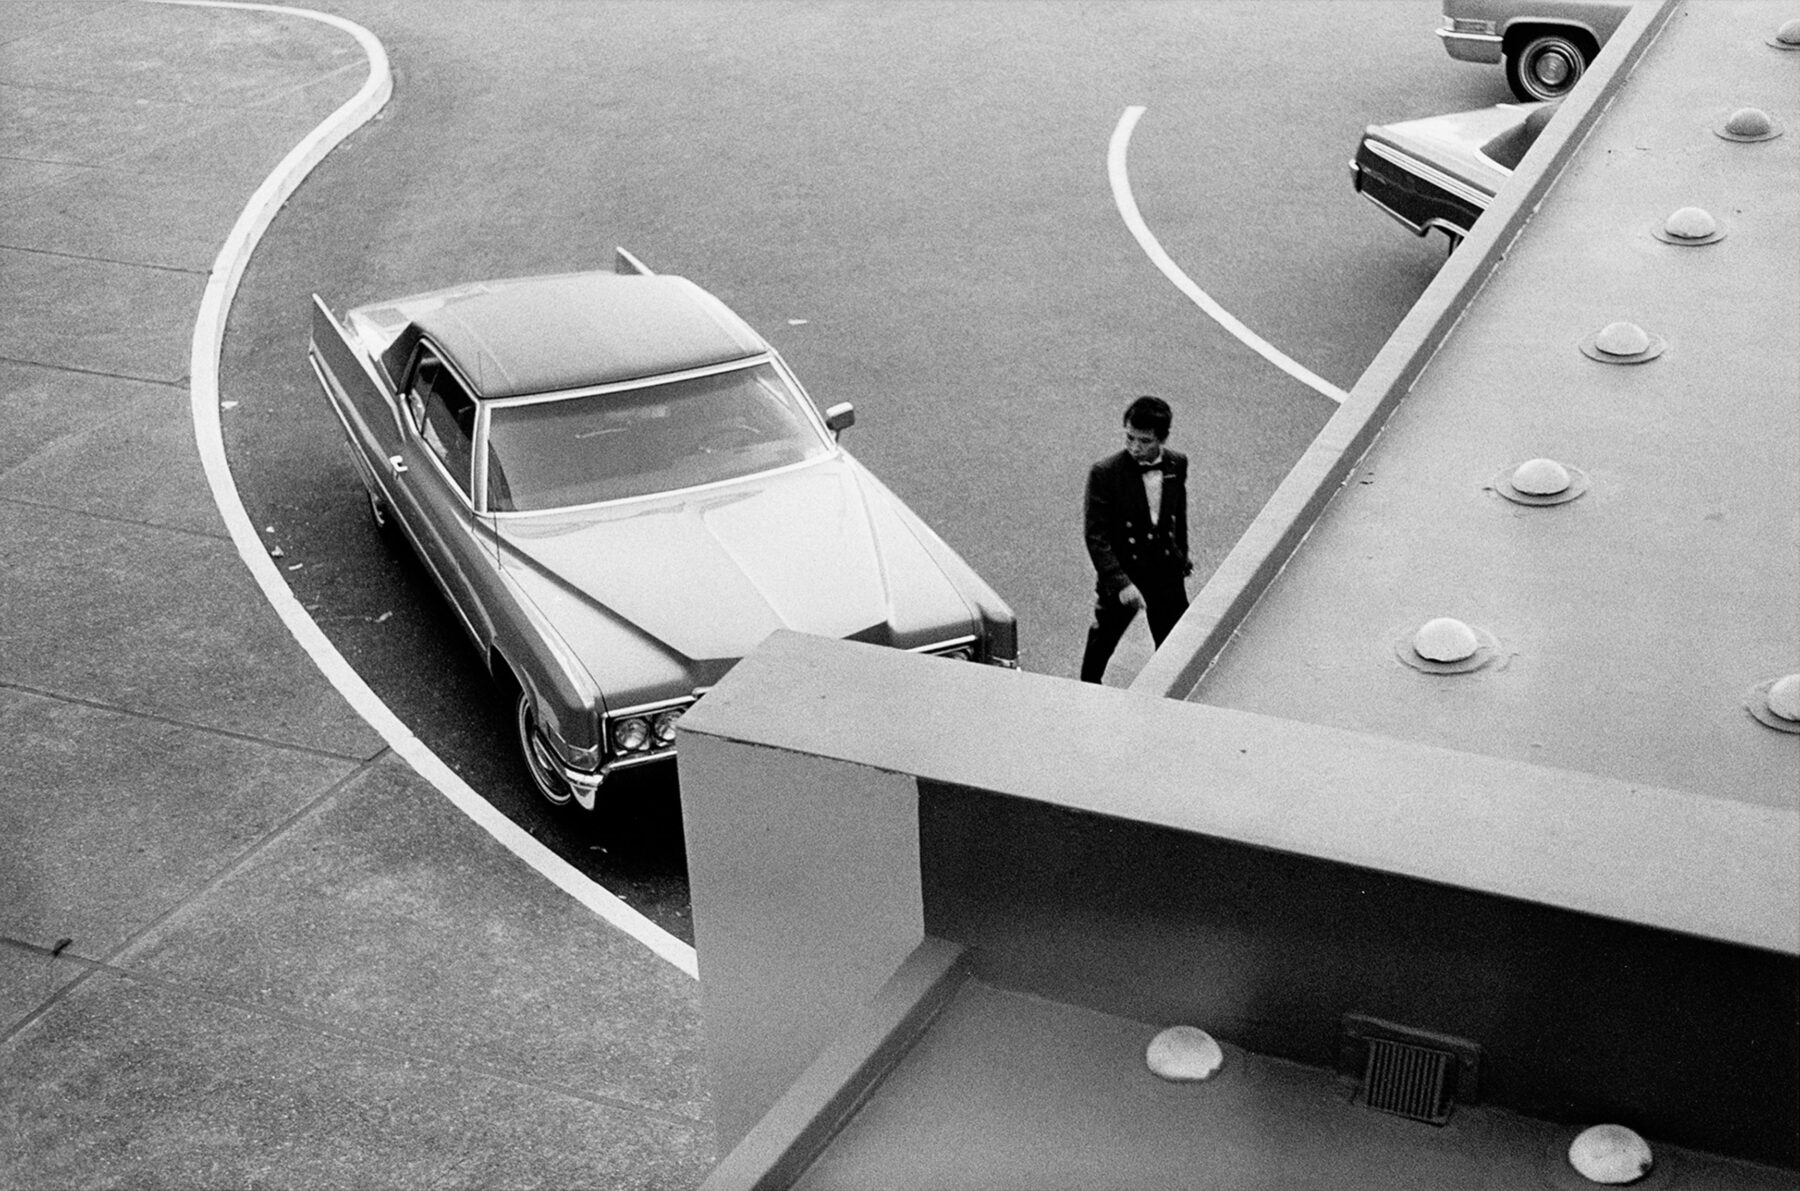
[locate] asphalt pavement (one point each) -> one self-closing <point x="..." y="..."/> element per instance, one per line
<point x="241" y="942"/>
<point x="916" y="208"/>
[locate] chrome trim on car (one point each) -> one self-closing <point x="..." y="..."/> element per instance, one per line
<point x="633" y="760"/>
<point x="1454" y="231"/>
<point x="1481" y="48"/>
<point x="1437" y="177"/>
<point x="624" y="386"/>
<point x="619" y="759"/>
<point x="651" y="708"/>
<point x="329" y="382"/>
<point x="1507" y="170"/>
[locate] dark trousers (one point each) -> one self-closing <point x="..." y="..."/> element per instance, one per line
<point x="1163" y="605"/>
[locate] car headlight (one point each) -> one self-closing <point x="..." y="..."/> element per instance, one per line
<point x="632" y="735"/>
<point x="662" y="728"/>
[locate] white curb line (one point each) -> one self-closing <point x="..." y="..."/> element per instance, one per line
<point x="1134" y="220"/>
<point x="209" y="334"/>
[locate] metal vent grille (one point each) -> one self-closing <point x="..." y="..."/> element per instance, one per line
<point x="1410" y="1081"/>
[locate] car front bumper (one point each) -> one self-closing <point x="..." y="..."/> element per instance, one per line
<point x="1471" y="41"/>
<point x="586" y="783"/>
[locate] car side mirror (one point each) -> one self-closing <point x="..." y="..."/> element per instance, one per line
<point x="840" y="418"/>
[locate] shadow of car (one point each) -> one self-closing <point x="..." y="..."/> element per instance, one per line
<point x="1440" y="173"/>
<point x="621" y="489"/>
<point x="1547" y="45"/>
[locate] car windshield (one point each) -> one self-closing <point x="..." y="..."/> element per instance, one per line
<point x="608" y="446"/>
<point x="1508" y="149"/>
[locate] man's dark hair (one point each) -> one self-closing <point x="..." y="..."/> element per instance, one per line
<point x="1149" y="413"/>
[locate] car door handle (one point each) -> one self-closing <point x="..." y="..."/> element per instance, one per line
<point x="397" y="465"/>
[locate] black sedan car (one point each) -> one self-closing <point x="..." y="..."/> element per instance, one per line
<point x="1440" y="173"/>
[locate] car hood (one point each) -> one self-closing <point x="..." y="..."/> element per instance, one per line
<point x="701" y="577"/>
<point x="1452" y="143"/>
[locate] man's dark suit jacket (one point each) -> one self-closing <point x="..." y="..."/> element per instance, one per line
<point x="1125" y="546"/>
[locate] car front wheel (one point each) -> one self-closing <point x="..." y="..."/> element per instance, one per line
<point x="1545" y="66"/>
<point x="536" y="751"/>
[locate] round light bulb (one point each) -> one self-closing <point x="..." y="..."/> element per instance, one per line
<point x="1622" y="339"/>
<point x="1445" y="640"/>
<point x="1690" y="223"/>
<point x="1185" y="1054"/>
<point x="1540" y="477"/>
<point x="1749" y="122"/>
<point x="1784" y="698"/>
<point x="1610" y="1154"/>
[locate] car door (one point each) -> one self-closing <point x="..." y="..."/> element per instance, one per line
<point x="433" y="484"/>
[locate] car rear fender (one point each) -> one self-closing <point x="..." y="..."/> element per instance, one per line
<point x="363" y="405"/>
<point x="1589" y="23"/>
<point x="350" y="380"/>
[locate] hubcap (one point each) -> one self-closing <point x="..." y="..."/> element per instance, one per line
<point x="1553" y="68"/>
<point x="537" y="758"/>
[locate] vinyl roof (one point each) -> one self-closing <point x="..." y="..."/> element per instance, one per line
<point x="544" y="334"/>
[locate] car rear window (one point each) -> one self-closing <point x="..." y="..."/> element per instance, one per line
<point x="583" y="450"/>
<point x="1508" y="149"/>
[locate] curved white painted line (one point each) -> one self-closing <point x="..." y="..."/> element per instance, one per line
<point x="209" y="334"/>
<point x="1128" y="210"/>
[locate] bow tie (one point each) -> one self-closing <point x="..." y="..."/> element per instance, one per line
<point x="1157" y="466"/>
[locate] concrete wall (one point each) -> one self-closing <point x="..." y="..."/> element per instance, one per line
<point x="1580" y="1019"/>
<point x="805" y="882"/>
<point x="1620" y="951"/>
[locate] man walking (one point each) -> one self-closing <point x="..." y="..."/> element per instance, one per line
<point x="1137" y="534"/>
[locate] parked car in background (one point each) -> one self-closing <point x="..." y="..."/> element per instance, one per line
<point x="1546" y="44"/>
<point x="622" y="489"/>
<point x="1440" y="173"/>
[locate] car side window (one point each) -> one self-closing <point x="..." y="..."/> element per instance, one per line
<point x="444" y="415"/>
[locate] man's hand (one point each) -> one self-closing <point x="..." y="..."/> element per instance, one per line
<point x="1130" y="596"/>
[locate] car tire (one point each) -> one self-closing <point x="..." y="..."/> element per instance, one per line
<point x="536" y="753"/>
<point x="1546" y="66"/>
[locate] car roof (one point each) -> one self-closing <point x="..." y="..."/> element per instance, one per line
<point x="1455" y="141"/>
<point x="1509" y="147"/>
<point x="576" y="330"/>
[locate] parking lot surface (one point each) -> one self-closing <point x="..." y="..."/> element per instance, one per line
<point x="241" y="943"/>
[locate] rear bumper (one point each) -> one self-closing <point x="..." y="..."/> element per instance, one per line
<point x="1470" y="45"/>
<point x="1414" y="194"/>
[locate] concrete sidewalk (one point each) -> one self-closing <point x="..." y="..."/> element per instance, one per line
<point x="240" y="942"/>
